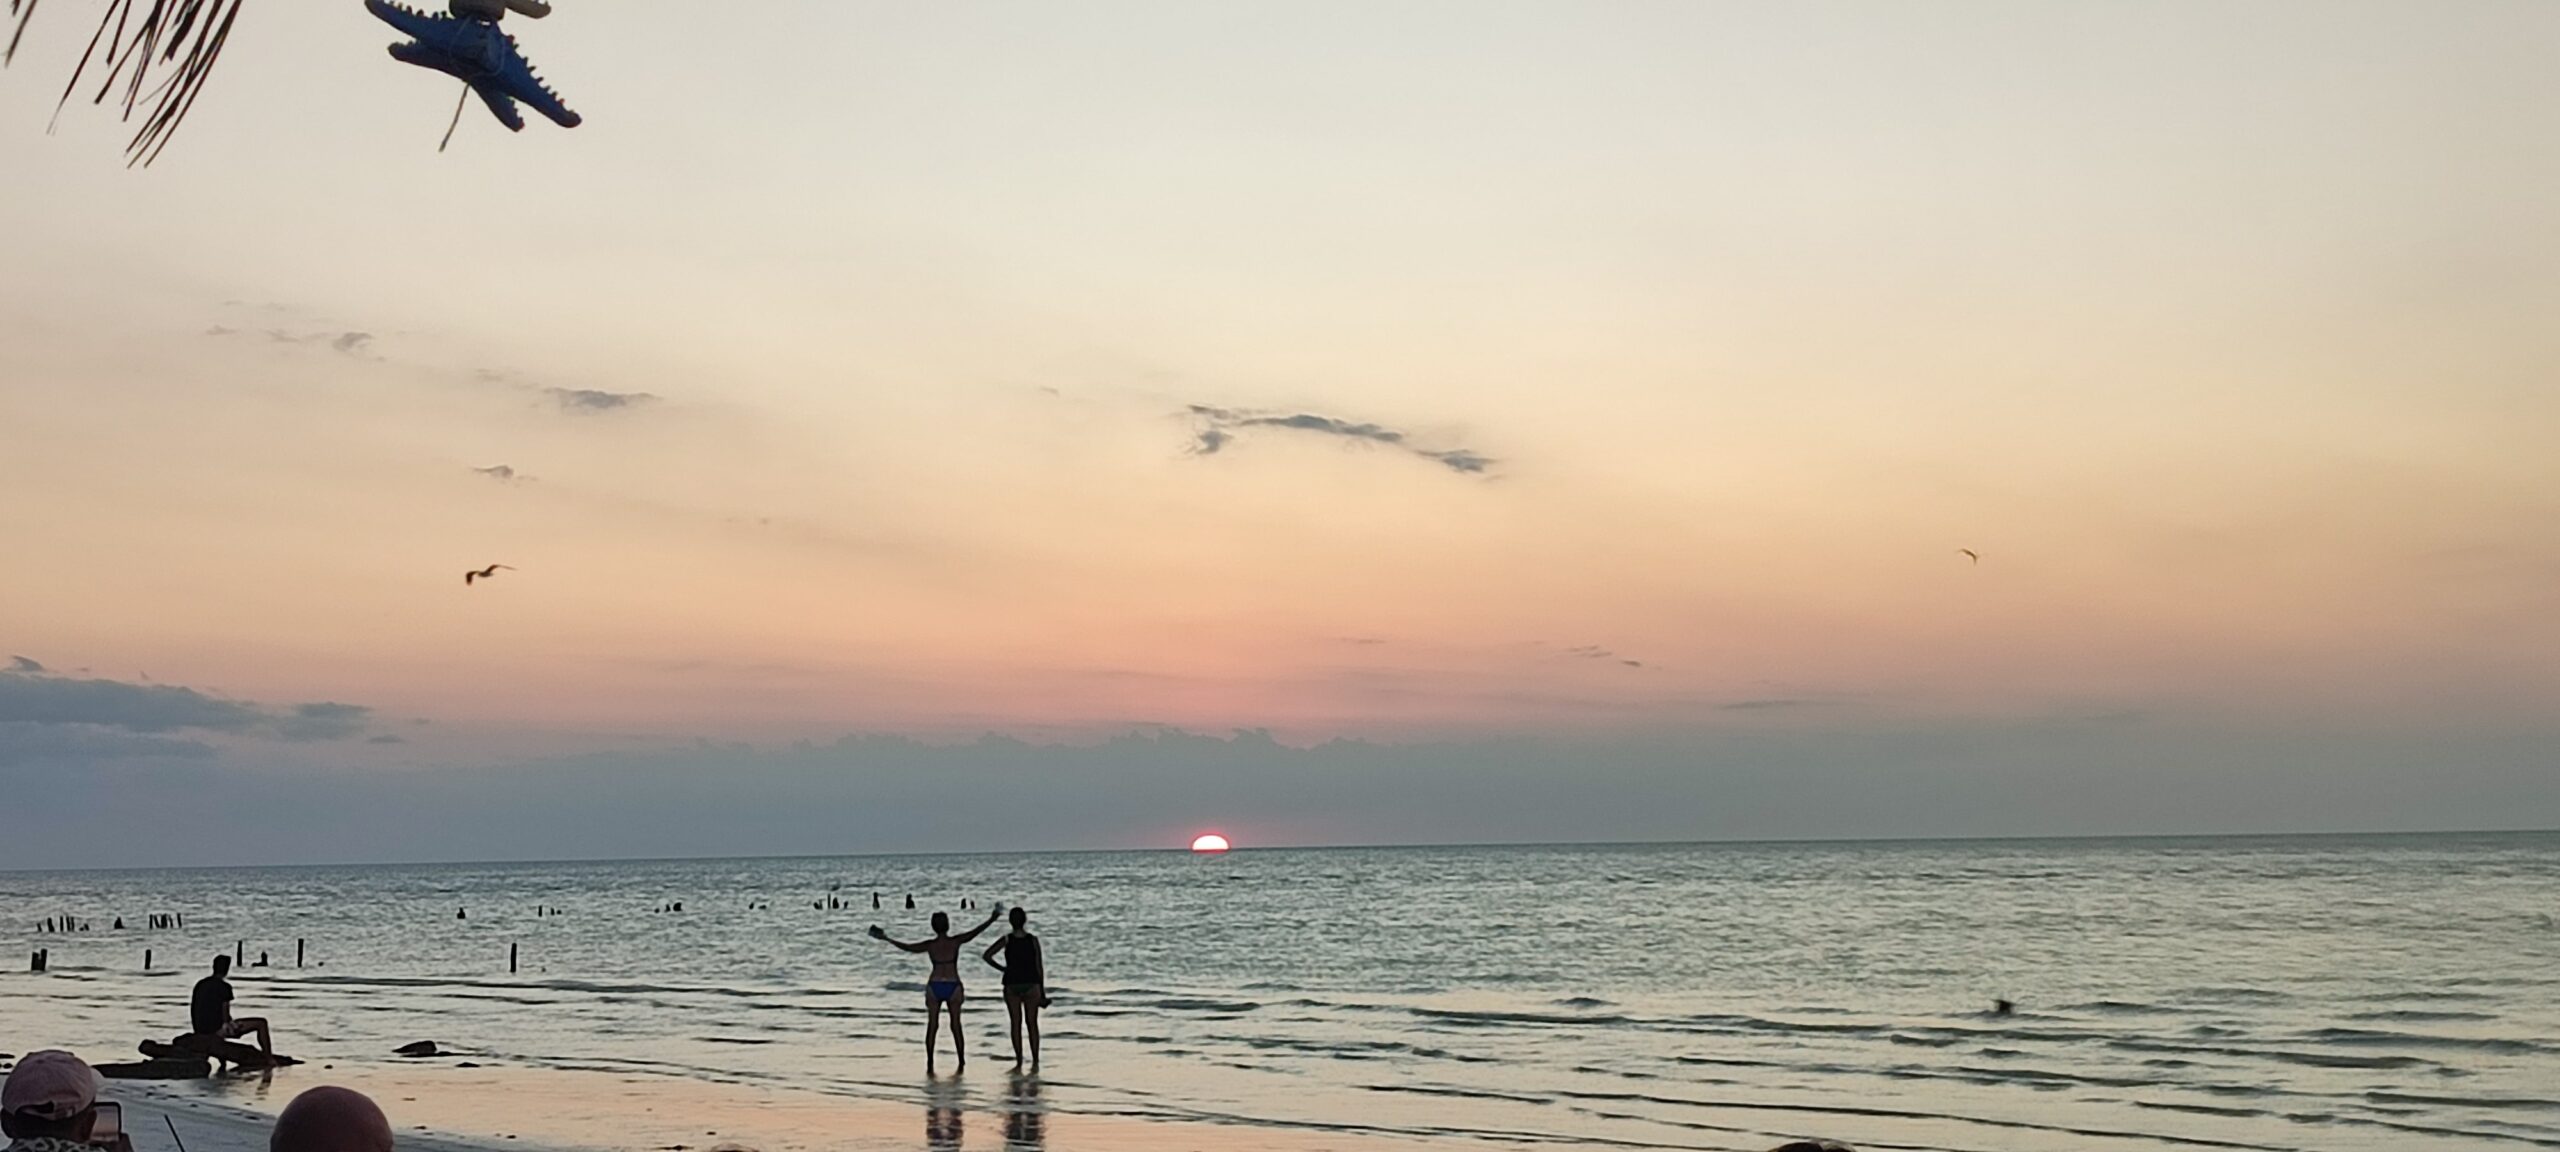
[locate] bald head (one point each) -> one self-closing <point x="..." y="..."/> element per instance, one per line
<point x="331" y="1120"/>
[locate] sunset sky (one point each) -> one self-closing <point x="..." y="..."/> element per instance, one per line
<point x="1605" y="387"/>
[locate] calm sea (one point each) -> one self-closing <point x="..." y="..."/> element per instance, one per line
<point x="2330" y="993"/>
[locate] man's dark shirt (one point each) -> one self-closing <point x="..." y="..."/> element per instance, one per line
<point x="212" y="1006"/>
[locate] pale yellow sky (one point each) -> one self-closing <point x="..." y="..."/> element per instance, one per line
<point x="2221" y="333"/>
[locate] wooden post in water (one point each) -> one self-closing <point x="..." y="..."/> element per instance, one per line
<point x="146" y="959"/>
<point x="511" y="959"/>
<point x="239" y="953"/>
<point x="297" y="951"/>
<point x="36" y="963"/>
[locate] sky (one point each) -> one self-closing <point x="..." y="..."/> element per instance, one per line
<point x="994" y="424"/>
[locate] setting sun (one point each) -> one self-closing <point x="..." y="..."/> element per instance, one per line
<point x="1210" y="844"/>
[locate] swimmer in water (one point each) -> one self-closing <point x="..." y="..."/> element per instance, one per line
<point x="942" y="988"/>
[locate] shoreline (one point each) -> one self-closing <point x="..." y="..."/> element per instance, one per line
<point x="439" y="1107"/>
<point x="152" y="1114"/>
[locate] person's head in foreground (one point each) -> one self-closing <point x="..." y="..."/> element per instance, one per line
<point x="50" y="1096"/>
<point x="1811" y="1146"/>
<point x="941" y="924"/>
<point x="1018" y="918"/>
<point x="329" y="1119"/>
<point x="222" y="964"/>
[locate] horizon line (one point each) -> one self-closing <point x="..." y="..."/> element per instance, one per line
<point x="1247" y="850"/>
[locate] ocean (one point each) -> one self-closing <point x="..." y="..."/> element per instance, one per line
<point x="2279" y="993"/>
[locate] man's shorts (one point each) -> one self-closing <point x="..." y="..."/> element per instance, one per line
<point x="1026" y="994"/>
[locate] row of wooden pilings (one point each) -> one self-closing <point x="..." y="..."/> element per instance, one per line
<point x="67" y="924"/>
<point x="42" y="959"/>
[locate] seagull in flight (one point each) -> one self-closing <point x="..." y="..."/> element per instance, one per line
<point x="1970" y="554"/>
<point x="482" y="574"/>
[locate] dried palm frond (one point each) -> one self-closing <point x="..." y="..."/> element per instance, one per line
<point x="180" y="38"/>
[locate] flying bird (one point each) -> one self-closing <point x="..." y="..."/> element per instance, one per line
<point x="469" y="577"/>
<point x="1970" y="554"/>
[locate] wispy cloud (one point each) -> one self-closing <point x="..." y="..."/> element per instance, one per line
<point x="504" y="474"/>
<point x="23" y="664"/>
<point x="347" y="342"/>
<point x="597" y="399"/>
<point x="323" y="721"/>
<point x="1596" y="652"/>
<point x="1214" y="428"/>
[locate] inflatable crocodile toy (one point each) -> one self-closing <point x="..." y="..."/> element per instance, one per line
<point x="467" y="45"/>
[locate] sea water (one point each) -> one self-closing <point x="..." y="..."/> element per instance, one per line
<point x="2334" y="993"/>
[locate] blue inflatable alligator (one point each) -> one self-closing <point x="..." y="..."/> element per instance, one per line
<point x="468" y="46"/>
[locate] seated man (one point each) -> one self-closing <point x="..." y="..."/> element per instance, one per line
<point x="210" y="1012"/>
<point x="50" y="1104"/>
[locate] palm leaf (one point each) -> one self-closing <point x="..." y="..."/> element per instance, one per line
<point x="181" y="39"/>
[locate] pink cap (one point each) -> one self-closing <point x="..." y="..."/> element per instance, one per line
<point x="50" y="1085"/>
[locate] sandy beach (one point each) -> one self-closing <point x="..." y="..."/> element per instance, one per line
<point x="443" y="1108"/>
<point x="159" y="1118"/>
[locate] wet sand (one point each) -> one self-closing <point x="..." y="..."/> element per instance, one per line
<point x="439" y="1107"/>
<point x="152" y="1113"/>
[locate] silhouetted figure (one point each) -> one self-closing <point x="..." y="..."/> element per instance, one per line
<point x="942" y="988"/>
<point x="875" y="901"/>
<point x="328" y="1119"/>
<point x="476" y="575"/>
<point x="1026" y="984"/>
<point x="461" y="913"/>
<point x="911" y="901"/>
<point x="2003" y="1008"/>
<point x="209" y="1011"/>
<point x="50" y="1101"/>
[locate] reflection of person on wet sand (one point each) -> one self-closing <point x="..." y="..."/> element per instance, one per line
<point x="1025" y="1121"/>
<point x="943" y="986"/>
<point x="942" y="1121"/>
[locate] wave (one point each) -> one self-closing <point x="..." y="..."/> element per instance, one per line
<point x="2232" y="995"/>
<point x="1911" y="1114"/>
<point x="2120" y="1008"/>
<point x="2226" y="1113"/>
<point x="2280" y="1055"/>
<point x="1496" y="1019"/>
<point x="2369" y="1037"/>
<point x="1459" y="1093"/>
<point x="2423" y="1016"/>
<point x="2525" y="1103"/>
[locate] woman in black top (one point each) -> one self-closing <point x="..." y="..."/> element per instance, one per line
<point x="1026" y="981"/>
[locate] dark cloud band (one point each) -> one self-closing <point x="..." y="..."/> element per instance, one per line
<point x="1216" y="428"/>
